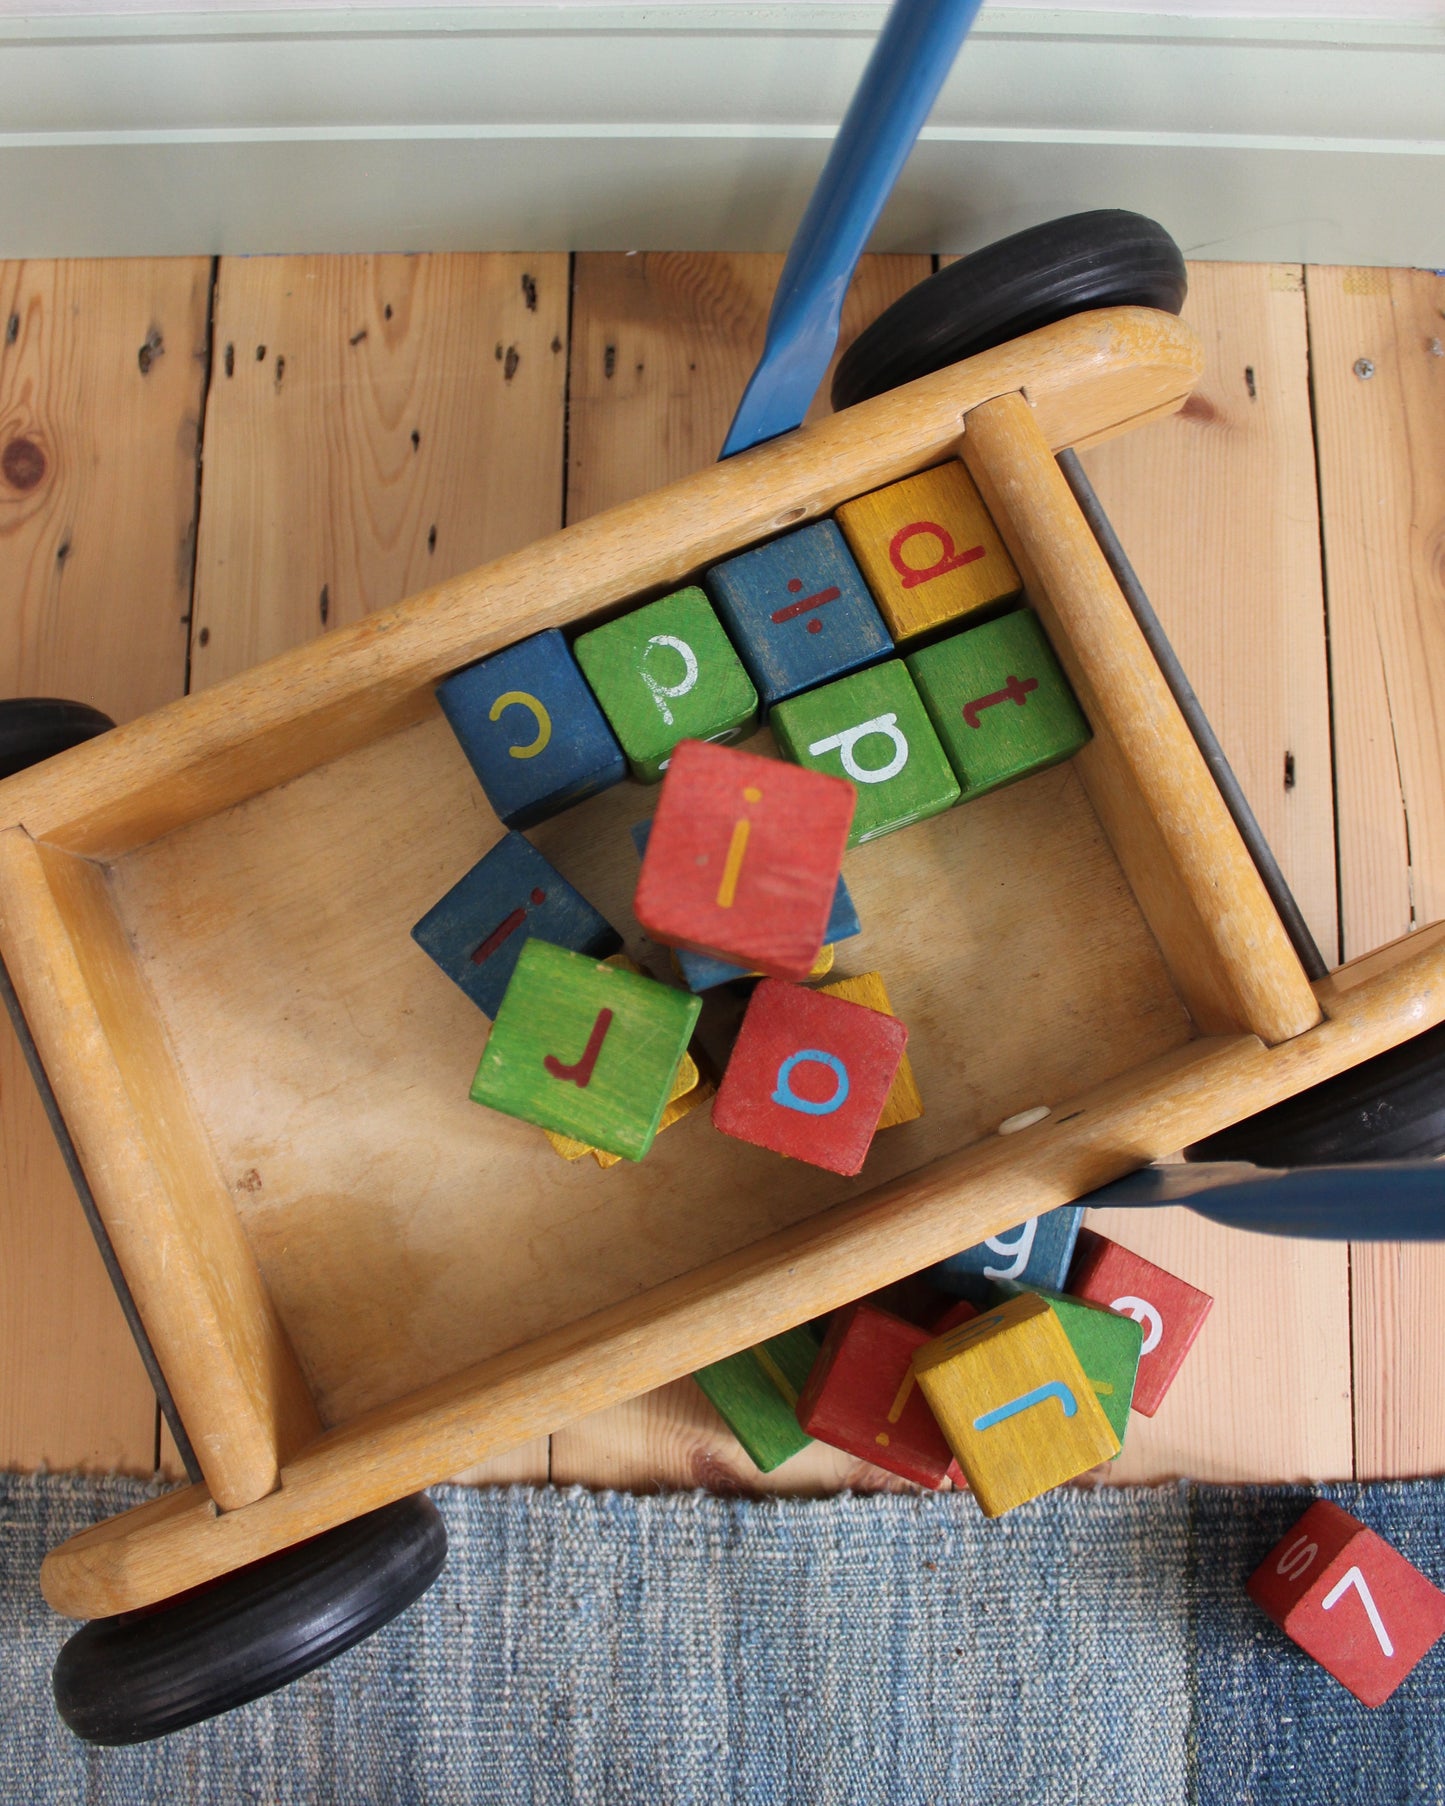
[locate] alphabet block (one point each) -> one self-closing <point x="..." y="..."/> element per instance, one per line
<point x="1036" y="1254"/>
<point x="585" y="1049"/>
<point x="531" y="730"/>
<point x="872" y="729"/>
<point x="798" y="611"/>
<point x="667" y="673"/>
<point x="689" y="1089"/>
<point x="477" y="931"/>
<point x="701" y="972"/>
<point x="756" y="1392"/>
<point x="1014" y="1403"/>
<point x="904" y="1102"/>
<point x="929" y="550"/>
<point x="862" y="1396"/>
<point x="1350" y="1600"/>
<point x="743" y="858"/>
<point x="809" y="1076"/>
<point x="1107" y="1344"/>
<point x="998" y="702"/>
<point x="1171" y="1312"/>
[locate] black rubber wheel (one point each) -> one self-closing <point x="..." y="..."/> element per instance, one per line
<point x="33" y="728"/>
<point x="1068" y="266"/>
<point x="1388" y="1108"/>
<point x="147" y="1673"/>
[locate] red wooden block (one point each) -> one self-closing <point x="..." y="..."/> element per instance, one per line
<point x="1351" y="1600"/>
<point x="809" y="1076"/>
<point x="861" y="1396"/>
<point x="743" y="858"/>
<point x="1171" y="1311"/>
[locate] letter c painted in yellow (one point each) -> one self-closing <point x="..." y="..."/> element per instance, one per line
<point x="542" y="718"/>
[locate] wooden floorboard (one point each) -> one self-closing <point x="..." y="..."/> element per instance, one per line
<point x="1378" y="355"/>
<point x="102" y="379"/>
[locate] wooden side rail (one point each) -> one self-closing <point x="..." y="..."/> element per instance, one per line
<point x="1221" y="938"/>
<point x="1089" y="377"/>
<point x="169" y="1216"/>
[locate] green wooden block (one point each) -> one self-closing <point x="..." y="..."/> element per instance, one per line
<point x="585" y="1049"/>
<point x="872" y="729"/>
<point x="1000" y="703"/>
<point x="666" y="673"/>
<point x="1107" y="1344"/>
<point x="756" y="1393"/>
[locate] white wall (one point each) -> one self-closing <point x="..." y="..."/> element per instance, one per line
<point x="688" y="125"/>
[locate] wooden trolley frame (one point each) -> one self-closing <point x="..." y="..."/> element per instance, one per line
<point x="357" y="1284"/>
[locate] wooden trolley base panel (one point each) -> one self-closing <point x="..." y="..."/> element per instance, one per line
<point x="207" y="917"/>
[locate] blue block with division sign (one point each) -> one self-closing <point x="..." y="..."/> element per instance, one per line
<point x="701" y="972"/>
<point x="1037" y="1253"/>
<point x="532" y="730"/>
<point x="798" y="611"/>
<point x="477" y="931"/>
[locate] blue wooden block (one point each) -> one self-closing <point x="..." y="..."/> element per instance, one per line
<point x="798" y="611"/>
<point x="477" y="931"/>
<point x="1035" y="1254"/>
<point x="701" y="972"/>
<point x="532" y="730"/>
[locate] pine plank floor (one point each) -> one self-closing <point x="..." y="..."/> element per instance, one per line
<point x="202" y="463"/>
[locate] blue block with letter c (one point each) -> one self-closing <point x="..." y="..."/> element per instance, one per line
<point x="532" y="730"/>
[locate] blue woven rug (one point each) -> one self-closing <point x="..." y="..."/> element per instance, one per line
<point x="1092" y="1647"/>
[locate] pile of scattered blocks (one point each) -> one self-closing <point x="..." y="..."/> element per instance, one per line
<point x="742" y="861"/>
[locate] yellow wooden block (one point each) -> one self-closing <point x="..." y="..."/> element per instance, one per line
<point x="822" y="965"/>
<point x="904" y="1101"/>
<point x="1013" y="1403"/>
<point x="928" y="550"/>
<point x="687" y="1082"/>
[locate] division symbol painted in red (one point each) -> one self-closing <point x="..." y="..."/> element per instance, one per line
<point x="805" y="603"/>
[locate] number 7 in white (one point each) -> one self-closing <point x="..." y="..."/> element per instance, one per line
<point x="1354" y="1578"/>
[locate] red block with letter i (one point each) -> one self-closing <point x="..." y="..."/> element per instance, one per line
<point x="743" y="858"/>
<point x="809" y="1076"/>
<point x="1171" y="1311"/>
<point x="1350" y="1600"/>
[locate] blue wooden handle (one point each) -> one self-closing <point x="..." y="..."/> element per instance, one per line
<point x="1375" y="1201"/>
<point x="914" y="53"/>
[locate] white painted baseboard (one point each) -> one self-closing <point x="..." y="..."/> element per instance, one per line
<point x="697" y="126"/>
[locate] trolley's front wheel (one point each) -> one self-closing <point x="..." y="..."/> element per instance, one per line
<point x="147" y="1673"/>
<point x="33" y="728"/>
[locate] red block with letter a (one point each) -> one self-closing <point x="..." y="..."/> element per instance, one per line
<point x="861" y="1396"/>
<point x="809" y="1076"/>
<point x="743" y="858"/>
<point x="1171" y="1311"/>
<point x="1350" y="1600"/>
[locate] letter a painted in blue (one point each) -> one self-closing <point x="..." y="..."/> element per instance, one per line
<point x="784" y="1094"/>
<point x="1055" y="1389"/>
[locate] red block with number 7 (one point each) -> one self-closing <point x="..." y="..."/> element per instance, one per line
<point x="1351" y="1600"/>
<point x="1171" y="1311"/>
<point x="743" y="858"/>
<point x="809" y="1076"/>
<point x="861" y="1396"/>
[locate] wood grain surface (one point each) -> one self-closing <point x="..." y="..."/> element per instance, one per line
<point x="1377" y="341"/>
<point x="102" y="382"/>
